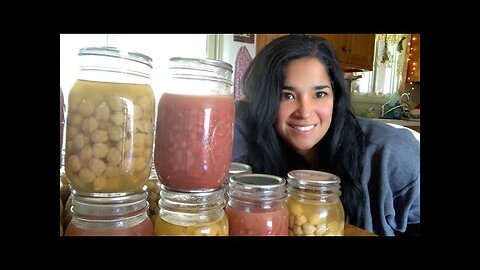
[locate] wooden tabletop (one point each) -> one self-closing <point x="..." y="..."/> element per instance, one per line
<point x="350" y="230"/>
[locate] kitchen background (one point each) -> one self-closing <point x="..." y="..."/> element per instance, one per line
<point x="379" y="68"/>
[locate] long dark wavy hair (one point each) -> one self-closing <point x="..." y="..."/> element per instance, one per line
<point x="340" y="151"/>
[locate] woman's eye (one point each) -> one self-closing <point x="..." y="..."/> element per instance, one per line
<point x="320" y="94"/>
<point x="287" y="96"/>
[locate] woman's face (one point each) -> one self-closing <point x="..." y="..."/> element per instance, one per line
<point x="306" y="105"/>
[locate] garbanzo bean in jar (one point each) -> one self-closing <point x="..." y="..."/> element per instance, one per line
<point x="110" y="123"/>
<point x="314" y="206"/>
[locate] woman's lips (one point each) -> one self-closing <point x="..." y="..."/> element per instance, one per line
<point x="302" y="129"/>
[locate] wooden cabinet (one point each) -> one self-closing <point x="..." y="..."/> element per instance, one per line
<point x="355" y="52"/>
<point x="264" y="39"/>
<point x="413" y="68"/>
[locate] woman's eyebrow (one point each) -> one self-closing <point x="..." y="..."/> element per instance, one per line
<point x="317" y="87"/>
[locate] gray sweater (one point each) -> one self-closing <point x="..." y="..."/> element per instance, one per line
<point x="391" y="173"/>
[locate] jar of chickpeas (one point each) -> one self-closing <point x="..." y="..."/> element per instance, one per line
<point x="110" y="216"/>
<point x="314" y="206"/>
<point x="110" y="123"/>
<point x="191" y="214"/>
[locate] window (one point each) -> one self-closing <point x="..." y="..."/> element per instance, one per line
<point x="389" y="67"/>
<point x="160" y="47"/>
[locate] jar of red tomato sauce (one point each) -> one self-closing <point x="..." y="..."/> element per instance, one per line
<point x="110" y="216"/>
<point x="194" y="128"/>
<point x="256" y="205"/>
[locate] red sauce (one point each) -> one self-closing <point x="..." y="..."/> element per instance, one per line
<point x="261" y="223"/>
<point x="193" y="141"/>
<point x="145" y="228"/>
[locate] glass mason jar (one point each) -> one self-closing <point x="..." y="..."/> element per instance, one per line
<point x="191" y="214"/>
<point x="314" y="206"/>
<point x="153" y="189"/>
<point x="256" y="205"/>
<point x="194" y="130"/>
<point x="62" y="122"/>
<point x="235" y="169"/>
<point x="110" y="216"/>
<point x="109" y="136"/>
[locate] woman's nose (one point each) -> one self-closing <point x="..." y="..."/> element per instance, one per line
<point x="304" y="108"/>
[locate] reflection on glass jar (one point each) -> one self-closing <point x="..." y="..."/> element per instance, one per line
<point x="194" y="131"/>
<point x="191" y="214"/>
<point x="110" y="216"/>
<point x="314" y="204"/>
<point x="109" y="136"/>
<point x="256" y="205"/>
<point x="153" y="189"/>
<point x="62" y="123"/>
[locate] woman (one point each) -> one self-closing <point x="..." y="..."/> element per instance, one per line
<point x="297" y="115"/>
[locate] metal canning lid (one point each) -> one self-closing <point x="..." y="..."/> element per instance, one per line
<point x="104" y="206"/>
<point x="312" y="178"/>
<point x="208" y="62"/>
<point x="236" y="168"/>
<point x="255" y="186"/>
<point x="114" y="52"/>
<point x="201" y="69"/>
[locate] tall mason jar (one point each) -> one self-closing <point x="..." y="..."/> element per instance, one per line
<point x="110" y="216"/>
<point x="191" y="214"/>
<point x="194" y="130"/>
<point x="314" y="205"/>
<point x="256" y="205"/>
<point x="110" y="120"/>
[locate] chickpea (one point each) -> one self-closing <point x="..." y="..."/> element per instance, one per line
<point x="111" y="171"/>
<point x="297" y="230"/>
<point x="291" y="221"/>
<point x="71" y="132"/>
<point x="295" y="209"/>
<point x="116" y="103"/>
<point x="75" y="120"/>
<point x="73" y="103"/>
<point x="115" y="133"/>
<point x="139" y="163"/>
<point x="102" y="112"/>
<point x="100" y="150"/>
<point x="86" y="153"/>
<point x="300" y="220"/>
<point x="99" y="183"/>
<point x="118" y="118"/>
<point x="86" y="176"/>
<point x="86" y="108"/>
<point x="79" y="141"/>
<point x="96" y="166"/>
<point x="100" y="136"/>
<point x="89" y="124"/>
<point x="308" y="229"/>
<point x="114" y="156"/>
<point x="73" y="164"/>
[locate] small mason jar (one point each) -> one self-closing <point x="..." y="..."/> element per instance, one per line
<point x="110" y="123"/>
<point x="110" y="216"/>
<point x="194" y="130"/>
<point x="191" y="214"/>
<point x="256" y="205"/>
<point x="314" y="205"/>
